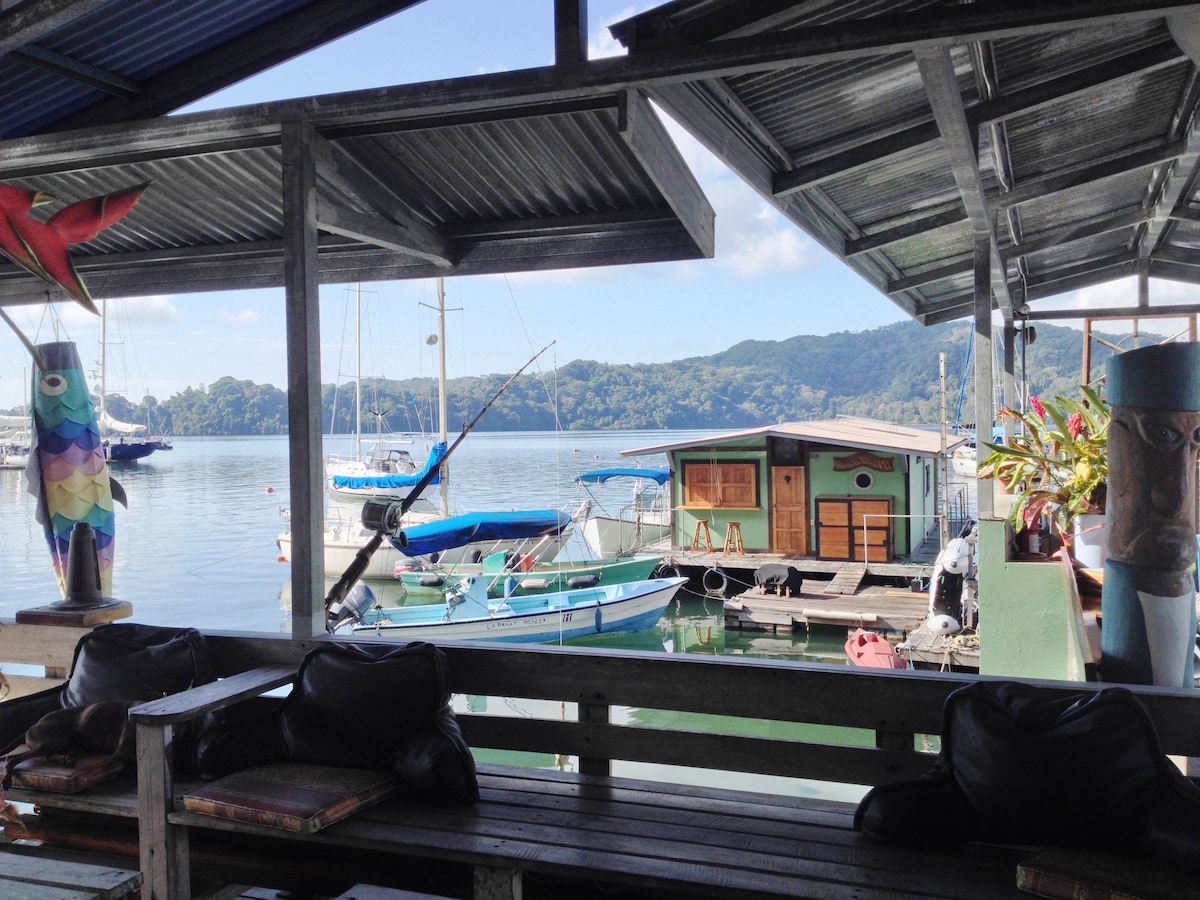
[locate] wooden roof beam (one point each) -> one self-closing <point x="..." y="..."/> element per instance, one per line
<point x="1068" y="179"/>
<point x="915" y="228"/>
<point x="644" y="134"/>
<point x="1006" y="106"/>
<point x="961" y="143"/>
<point x="1071" y="233"/>
<point x="75" y="70"/>
<point x="397" y="228"/>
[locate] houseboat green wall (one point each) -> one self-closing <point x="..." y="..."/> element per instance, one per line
<point x="754" y="522"/>
<point x="823" y="481"/>
<point x="911" y="482"/>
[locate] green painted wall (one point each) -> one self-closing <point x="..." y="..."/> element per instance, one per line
<point x="1027" y="621"/>
<point x="755" y="523"/>
<point x="823" y="481"/>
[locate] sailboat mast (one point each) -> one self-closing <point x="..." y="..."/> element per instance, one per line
<point x="358" y="371"/>
<point x="445" y="474"/>
<point x="103" y="362"/>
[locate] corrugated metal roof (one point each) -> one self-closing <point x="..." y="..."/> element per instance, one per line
<point x="97" y="62"/>
<point x="844" y="431"/>
<point x="408" y="187"/>
<point x="896" y="131"/>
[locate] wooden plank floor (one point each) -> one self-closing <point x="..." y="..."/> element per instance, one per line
<point x="888" y="610"/>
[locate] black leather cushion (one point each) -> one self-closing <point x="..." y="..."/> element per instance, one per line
<point x="1021" y="765"/>
<point x="436" y="765"/>
<point x="354" y="705"/>
<point x="128" y="661"/>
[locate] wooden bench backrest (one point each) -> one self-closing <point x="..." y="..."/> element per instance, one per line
<point x="891" y="708"/>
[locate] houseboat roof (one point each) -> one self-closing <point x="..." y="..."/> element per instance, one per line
<point x="844" y="431"/>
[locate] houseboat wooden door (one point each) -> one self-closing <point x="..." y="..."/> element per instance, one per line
<point x="840" y="528"/>
<point x="789" y="511"/>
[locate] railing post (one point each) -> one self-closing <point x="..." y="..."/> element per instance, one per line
<point x="162" y="847"/>
<point x="595" y="713"/>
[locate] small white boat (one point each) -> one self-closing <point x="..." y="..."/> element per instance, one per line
<point x="469" y="614"/>
<point x="644" y="521"/>
<point x="963" y="460"/>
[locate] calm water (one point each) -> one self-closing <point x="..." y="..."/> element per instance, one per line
<point x="197" y="547"/>
<point x="197" y="544"/>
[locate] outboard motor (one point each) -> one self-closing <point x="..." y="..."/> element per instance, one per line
<point x="950" y="571"/>
<point x="357" y="601"/>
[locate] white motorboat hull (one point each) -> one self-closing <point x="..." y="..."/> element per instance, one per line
<point x="631" y="607"/>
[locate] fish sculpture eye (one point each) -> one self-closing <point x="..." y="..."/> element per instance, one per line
<point x="53" y="384"/>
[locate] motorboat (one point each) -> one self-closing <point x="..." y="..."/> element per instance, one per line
<point x="642" y="522"/>
<point x="508" y="573"/>
<point x="469" y="613"/>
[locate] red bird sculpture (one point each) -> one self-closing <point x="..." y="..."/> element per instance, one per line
<point x="41" y="247"/>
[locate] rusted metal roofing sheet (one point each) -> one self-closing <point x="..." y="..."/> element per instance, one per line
<point x="897" y="132"/>
<point x="844" y="431"/>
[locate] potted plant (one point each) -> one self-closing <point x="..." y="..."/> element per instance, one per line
<point x="1059" y="467"/>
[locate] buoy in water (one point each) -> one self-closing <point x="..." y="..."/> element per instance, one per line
<point x="270" y="490"/>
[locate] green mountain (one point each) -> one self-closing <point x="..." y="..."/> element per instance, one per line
<point x="889" y="373"/>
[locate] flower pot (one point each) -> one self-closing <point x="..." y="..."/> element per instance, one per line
<point x="1089" y="544"/>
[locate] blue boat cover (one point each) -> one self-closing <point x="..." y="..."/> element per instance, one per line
<point x="391" y="482"/>
<point x="432" y="537"/>
<point x="599" y="476"/>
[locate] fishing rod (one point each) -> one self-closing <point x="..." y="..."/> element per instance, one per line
<point x="385" y="516"/>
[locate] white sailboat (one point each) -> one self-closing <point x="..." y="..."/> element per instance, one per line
<point x="386" y="468"/>
<point x="345" y="534"/>
<point x="123" y="441"/>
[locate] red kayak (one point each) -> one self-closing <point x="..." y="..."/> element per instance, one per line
<point x="866" y="648"/>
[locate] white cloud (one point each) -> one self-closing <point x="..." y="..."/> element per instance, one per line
<point x="601" y="43"/>
<point x="240" y="316"/>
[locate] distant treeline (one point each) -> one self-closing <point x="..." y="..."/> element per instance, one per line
<point x="889" y="373"/>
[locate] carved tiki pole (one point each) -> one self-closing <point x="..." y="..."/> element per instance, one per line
<point x="1149" y="597"/>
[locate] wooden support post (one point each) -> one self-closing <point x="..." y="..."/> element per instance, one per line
<point x="165" y="871"/>
<point x="304" y="378"/>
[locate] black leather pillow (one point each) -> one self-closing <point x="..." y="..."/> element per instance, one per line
<point x="128" y="661"/>
<point x="354" y="705"/>
<point x="1022" y="765"/>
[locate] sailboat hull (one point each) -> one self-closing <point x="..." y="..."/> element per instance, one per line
<point x="131" y="451"/>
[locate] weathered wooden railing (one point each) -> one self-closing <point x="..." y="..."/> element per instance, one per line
<point x="597" y="698"/>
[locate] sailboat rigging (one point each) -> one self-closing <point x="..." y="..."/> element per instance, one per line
<point x="122" y="441"/>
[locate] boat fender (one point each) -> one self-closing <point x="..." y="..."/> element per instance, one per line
<point x="667" y="571"/>
<point x="534" y="584"/>
<point x="582" y="581"/>
<point x="714" y="581"/>
<point x="599" y="618"/>
<point x="431" y="580"/>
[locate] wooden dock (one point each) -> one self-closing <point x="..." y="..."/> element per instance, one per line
<point x="888" y="611"/>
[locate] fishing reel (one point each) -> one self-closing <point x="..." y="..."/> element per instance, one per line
<point x="385" y="516"/>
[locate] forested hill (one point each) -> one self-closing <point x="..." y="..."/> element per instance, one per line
<point x="889" y="373"/>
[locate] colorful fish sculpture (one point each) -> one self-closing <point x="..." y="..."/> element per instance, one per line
<point x="67" y="471"/>
<point x="41" y="247"/>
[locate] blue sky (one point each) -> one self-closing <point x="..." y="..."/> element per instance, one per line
<point x="768" y="280"/>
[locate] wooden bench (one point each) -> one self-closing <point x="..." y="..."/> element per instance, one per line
<point x="28" y="876"/>
<point x="653" y="832"/>
<point x="617" y="813"/>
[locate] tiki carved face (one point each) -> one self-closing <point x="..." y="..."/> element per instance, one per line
<point x="1152" y="456"/>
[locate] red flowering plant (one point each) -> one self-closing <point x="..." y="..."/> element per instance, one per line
<point x="1059" y="466"/>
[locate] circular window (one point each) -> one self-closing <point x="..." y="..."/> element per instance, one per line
<point x="864" y="481"/>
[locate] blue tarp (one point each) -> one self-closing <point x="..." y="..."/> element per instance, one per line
<point x="391" y="482"/>
<point x="599" y="476"/>
<point x="432" y="537"/>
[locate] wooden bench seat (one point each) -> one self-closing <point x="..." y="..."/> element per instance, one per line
<point x="592" y="830"/>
